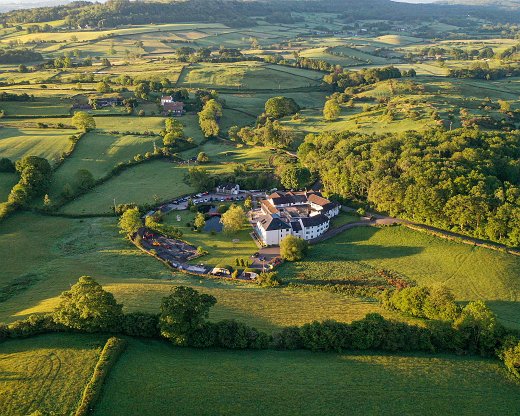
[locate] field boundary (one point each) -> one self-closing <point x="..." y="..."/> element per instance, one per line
<point x="112" y="350"/>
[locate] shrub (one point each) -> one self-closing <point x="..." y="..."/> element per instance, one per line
<point x="237" y="335"/>
<point x="6" y="165"/>
<point x="141" y="324"/>
<point x="288" y="338"/>
<point x="268" y="279"/>
<point x="34" y="325"/>
<point x="511" y="358"/>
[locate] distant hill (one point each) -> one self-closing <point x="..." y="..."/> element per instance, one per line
<point x="238" y="13"/>
<point x="496" y="3"/>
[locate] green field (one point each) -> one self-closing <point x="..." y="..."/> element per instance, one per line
<point x="99" y="153"/>
<point x="471" y="272"/>
<point x="53" y="252"/>
<point x="144" y="183"/>
<point x="16" y="143"/>
<point x="46" y="373"/>
<point x="246" y="75"/>
<point x="186" y="382"/>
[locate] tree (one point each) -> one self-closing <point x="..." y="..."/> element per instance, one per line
<point x="200" y="179"/>
<point x="199" y="221"/>
<point x="202" y="157"/>
<point x="331" y="110"/>
<point x="233" y="219"/>
<point x="130" y="222"/>
<point x="511" y="357"/>
<point x="88" y="307"/>
<point x="209" y="117"/>
<point x="103" y="87"/>
<point x="248" y="203"/>
<point x="294" y="177"/>
<point x="479" y="328"/>
<point x="293" y="248"/>
<point x="84" y="180"/>
<point x="6" y="165"/>
<point x="184" y="312"/>
<point x="83" y="121"/>
<point x="277" y="107"/>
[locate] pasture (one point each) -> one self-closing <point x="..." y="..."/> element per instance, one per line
<point x="46" y="373"/>
<point x="51" y="253"/>
<point x="99" y="153"/>
<point x="471" y="272"/>
<point x="185" y="382"/>
<point x="16" y="143"/>
<point x="148" y="182"/>
<point x="247" y="76"/>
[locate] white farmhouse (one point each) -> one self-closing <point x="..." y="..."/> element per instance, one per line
<point x="303" y="214"/>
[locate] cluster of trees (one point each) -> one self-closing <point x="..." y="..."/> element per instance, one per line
<point x="19" y="56"/>
<point x="302" y="62"/>
<point x="247" y="178"/>
<point x="183" y="320"/>
<point x="346" y="79"/>
<point x="8" y="96"/>
<point x="270" y="133"/>
<point x="483" y="71"/>
<point x="464" y="180"/>
<point x="457" y="53"/>
<point x="209" y="117"/>
<point x="35" y="174"/>
<point x="291" y="174"/>
<point x="423" y="302"/>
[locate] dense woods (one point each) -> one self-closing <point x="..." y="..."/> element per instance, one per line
<point x="466" y="180"/>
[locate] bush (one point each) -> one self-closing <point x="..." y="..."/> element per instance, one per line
<point x="237" y="335"/>
<point x="511" y="358"/>
<point x="34" y="325"/>
<point x="268" y="279"/>
<point x="288" y="338"/>
<point x="141" y="324"/>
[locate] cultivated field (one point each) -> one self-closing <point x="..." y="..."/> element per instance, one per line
<point x="46" y="373"/>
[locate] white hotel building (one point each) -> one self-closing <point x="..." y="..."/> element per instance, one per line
<point x="303" y="214"/>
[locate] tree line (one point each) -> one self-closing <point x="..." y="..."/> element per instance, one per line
<point x="183" y="320"/>
<point x="464" y="180"/>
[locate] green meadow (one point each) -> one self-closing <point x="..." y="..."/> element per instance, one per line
<point x="186" y="381"/>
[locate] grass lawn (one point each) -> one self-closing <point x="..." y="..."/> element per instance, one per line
<point x="220" y="247"/>
<point x="212" y="382"/>
<point x="16" y="143"/>
<point x="144" y="183"/>
<point x="46" y="373"/>
<point x="471" y="272"/>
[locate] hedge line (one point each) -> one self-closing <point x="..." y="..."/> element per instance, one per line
<point x="113" y="348"/>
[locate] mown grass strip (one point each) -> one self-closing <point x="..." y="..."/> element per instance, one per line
<point x="113" y="348"/>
